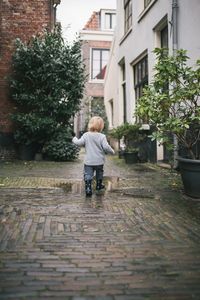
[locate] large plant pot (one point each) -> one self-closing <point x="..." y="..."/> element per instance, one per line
<point x="131" y="157"/>
<point x="121" y="153"/>
<point x="190" y="173"/>
<point x="27" y="152"/>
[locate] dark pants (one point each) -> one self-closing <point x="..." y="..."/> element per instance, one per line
<point x="89" y="172"/>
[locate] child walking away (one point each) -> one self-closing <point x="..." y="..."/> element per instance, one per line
<point x="96" y="146"/>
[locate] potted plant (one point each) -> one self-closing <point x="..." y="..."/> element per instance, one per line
<point x="171" y="103"/>
<point x="131" y="155"/>
<point x="117" y="133"/>
<point x="133" y="136"/>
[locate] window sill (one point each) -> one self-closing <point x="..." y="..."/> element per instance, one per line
<point x="144" y="12"/>
<point x="125" y="36"/>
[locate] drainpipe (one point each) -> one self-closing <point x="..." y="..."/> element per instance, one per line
<point x="175" y="48"/>
<point x="175" y="25"/>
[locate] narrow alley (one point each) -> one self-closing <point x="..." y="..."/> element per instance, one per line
<point x="139" y="240"/>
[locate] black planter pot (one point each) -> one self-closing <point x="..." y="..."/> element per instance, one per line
<point x="27" y="152"/>
<point x="121" y="154"/>
<point x="190" y="173"/>
<point x="131" y="157"/>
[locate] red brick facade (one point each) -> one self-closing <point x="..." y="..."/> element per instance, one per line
<point x="18" y="19"/>
<point x="94" y="35"/>
<point x="93" y="89"/>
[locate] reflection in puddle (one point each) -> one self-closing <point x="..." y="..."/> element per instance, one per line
<point x="77" y="187"/>
<point x="95" y="203"/>
<point x="66" y="186"/>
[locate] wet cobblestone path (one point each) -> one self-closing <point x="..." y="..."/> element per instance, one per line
<point x="139" y="240"/>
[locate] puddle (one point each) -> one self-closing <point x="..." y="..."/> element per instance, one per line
<point x="112" y="185"/>
<point x="77" y="187"/>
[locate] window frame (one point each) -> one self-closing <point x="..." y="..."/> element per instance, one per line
<point x="111" y="15"/>
<point x="127" y="15"/>
<point x="123" y="87"/>
<point x="141" y="75"/>
<point x="111" y="112"/>
<point x="164" y="35"/>
<point x="100" y="63"/>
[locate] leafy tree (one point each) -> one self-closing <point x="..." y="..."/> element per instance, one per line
<point x="47" y="86"/>
<point x="171" y="102"/>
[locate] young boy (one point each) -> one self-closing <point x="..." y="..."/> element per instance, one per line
<point x="96" y="146"/>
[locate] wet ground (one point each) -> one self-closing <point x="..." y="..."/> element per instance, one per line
<point x="140" y="239"/>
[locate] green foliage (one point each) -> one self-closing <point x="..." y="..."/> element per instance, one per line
<point x="132" y="149"/>
<point x="47" y="86"/>
<point x="60" y="147"/>
<point x="98" y="109"/>
<point x="117" y="132"/>
<point x="171" y="102"/>
<point x="130" y="132"/>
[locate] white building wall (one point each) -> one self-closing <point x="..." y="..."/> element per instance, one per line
<point x="189" y="26"/>
<point x="111" y="87"/>
<point x="144" y="36"/>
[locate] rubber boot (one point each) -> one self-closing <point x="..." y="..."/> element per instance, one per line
<point x="88" y="188"/>
<point x="99" y="185"/>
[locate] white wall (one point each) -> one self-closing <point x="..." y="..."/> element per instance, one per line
<point x="189" y="28"/>
<point x="111" y="87"/>
<point x="144" y="35"/>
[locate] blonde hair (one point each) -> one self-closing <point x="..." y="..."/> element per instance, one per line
<point x="96" y="124"/>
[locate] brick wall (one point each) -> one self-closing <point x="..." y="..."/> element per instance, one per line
<point x="18" y="19"/>
<point x="94" y="22"/>
<point x="93" y="89"/>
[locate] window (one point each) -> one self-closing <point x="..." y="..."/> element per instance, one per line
<point x="127" y="15"/>
<point x="99" y="62"/>
<point x="110" y="20"/>
<point x="111" y="113"/>
<point x="123" y="72"/>
<point x="164" y="44"/>
<point x="140" y="76"/>
<point x="164" y="37"/>
<point x="146" y="3"/>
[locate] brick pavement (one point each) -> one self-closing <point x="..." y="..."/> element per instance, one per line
<point x="140" y="240"/>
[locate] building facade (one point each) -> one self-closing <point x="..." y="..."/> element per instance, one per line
<point x="96" y="37"/>
<point x="18" y="19"/>
<point x="143" y="25"/>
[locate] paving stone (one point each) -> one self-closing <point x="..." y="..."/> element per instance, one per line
<point x="139" y="240"/>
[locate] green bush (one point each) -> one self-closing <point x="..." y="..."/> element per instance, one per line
<point x="131" y="133"/>
<point x="60" y="147"/>
<point x="47" y="84"/>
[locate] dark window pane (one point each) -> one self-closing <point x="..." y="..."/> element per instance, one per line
<point x="146" y="3"/>
<point x="140" y="76"/>
<point x="164" y="37"/>
<point x="127" y="14"/>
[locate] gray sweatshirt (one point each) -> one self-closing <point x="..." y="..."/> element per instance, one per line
<point x="96" y="146"/>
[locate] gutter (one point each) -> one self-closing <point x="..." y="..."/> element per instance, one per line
<point x="175" y="7"/>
